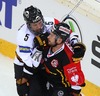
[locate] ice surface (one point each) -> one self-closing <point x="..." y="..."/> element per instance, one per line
<point x="7" y="81"/>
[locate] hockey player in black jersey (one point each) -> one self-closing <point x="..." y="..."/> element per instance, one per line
<point x="62" y="63"/>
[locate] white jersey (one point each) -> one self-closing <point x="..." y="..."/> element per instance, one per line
<point x="25" y="44"/>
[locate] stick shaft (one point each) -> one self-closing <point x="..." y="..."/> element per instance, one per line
<point x="76" y="6"/>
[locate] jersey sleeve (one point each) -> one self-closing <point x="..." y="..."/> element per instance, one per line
<point x="73" y="71"/>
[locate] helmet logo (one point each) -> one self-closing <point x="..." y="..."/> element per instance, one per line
<point x="63" y="29"/>
<point x="37" y="17"/>
<point x="26" y="14"/>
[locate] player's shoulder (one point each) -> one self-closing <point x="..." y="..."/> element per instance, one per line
<point x="24" y="35"/>
<point x="23" y="30"/>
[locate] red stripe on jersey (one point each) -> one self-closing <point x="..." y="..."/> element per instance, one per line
<point x="69" y="53"/>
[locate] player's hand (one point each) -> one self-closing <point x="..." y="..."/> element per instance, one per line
<point x="41" y="41"/>
<point x="79" y="51"/>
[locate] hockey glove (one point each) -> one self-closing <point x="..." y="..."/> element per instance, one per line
<point x="79" y="51"/>
<point x="41" y="41"/>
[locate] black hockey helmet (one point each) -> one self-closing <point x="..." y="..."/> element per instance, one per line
<point x="62" y="30"/>
<point x="32" y="14"/>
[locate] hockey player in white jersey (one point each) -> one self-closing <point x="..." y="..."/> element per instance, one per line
<point x="35" y="25"/>
<point x="25" y="45"/>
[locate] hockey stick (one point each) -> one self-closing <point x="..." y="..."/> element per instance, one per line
<point x="72" y="20"/>
<point x="76" y="6"/>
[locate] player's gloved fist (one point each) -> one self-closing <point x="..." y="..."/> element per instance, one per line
<point x="79" y="51"/>
<point x="41" y="41"/>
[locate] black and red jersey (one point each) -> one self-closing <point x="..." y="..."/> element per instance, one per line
<point x="54" y="64"/>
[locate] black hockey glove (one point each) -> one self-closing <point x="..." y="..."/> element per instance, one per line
<point x="79" y="51"/>
<point x="41" y="41"/>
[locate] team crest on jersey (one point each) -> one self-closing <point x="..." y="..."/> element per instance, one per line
<point x="54" y="63"/>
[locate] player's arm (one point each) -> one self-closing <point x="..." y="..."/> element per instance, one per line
<point x="31" y="59"/>
<point x="73" y="74"/>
